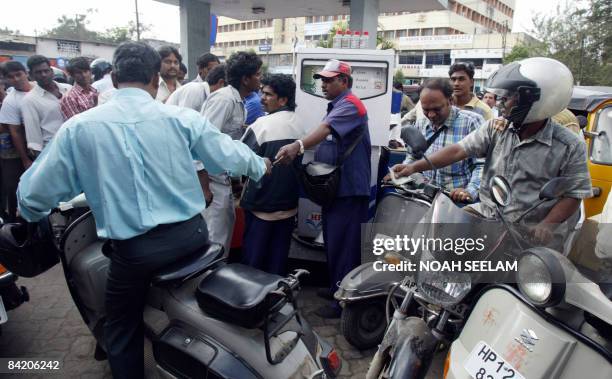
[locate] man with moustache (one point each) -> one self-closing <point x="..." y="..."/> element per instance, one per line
<point x="345" y="122"/>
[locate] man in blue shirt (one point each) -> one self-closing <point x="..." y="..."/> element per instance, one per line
<point x="133" y="159"/>
<point x="346" y="120"/>
<point x="253" y="107"/>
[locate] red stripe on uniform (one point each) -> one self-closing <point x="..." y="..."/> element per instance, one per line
<point x="361" y="109"/>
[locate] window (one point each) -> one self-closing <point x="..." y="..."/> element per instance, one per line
<point x="437" y="58"/>
<point x="369" y="78"/>
<point x="401" y="33"/>
<point x="389" y="34"/>
<point x="477" y="62"/>
<point x="442" y="31"/>
<point x="601" y="150"/>
<point x="494" y="61"/>
<point x="413" y="32"/>
<point x="411" y="57"/>
<point x="427" y="32"/>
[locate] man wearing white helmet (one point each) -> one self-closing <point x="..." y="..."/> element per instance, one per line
<point x="527" y="148"/>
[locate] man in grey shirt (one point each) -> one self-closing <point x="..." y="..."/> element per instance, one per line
<point x="527" y="148"/>
<point x="225" y="110"/>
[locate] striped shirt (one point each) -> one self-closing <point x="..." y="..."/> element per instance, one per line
<point x="463" y="174"/>
<point x="78" y="100"/>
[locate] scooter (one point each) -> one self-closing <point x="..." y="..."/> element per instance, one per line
<point x="558" y="324"/>
<point x="203" y="317"/>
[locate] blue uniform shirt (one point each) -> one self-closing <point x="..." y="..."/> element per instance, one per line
<point x="348" y="117"/>
<point x="133" y="159"/>
<point x="254" y="109"/>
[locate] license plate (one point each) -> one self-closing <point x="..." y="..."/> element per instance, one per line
<point x="3" y="315"/>
<point x="484" y="363"/>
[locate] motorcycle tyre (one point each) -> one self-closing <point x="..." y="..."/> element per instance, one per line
<point x="351" y="323"/>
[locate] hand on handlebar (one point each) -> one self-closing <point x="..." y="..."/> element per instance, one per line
<point x="542" y="233"/>
<point x="461" y="195"/>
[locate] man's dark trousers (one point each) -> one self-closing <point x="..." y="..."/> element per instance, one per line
<point x="342" y="234"/>
<point x="266" y="243"/>
<point x="133" y="263"/>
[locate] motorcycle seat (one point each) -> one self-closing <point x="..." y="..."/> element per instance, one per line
<point x="239" y="294"/>
<point x="189" y="265"/>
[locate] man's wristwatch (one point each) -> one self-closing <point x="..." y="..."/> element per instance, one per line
<point x="299" y="141"/>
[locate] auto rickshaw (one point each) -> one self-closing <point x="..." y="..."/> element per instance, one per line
<point x="595" y="103"/>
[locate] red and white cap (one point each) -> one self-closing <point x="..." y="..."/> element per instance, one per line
<point x="333" y="68"/>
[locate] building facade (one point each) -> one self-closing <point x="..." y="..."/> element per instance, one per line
<point x="59" y="51"/>
<point x="426" y="42"/>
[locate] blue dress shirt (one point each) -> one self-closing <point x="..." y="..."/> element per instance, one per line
<point x="133" y="159"/>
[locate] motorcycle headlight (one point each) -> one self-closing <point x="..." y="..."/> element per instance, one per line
<point x="392" y="257"/>
<point x="540" y="277"/>
<point x="444" y="288"/>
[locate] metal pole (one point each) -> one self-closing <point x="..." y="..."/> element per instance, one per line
<point x="137" y="21"/>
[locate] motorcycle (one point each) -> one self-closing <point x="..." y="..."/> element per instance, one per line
<point x="204" y="317"/>
<point x="11" y="295"/>
<point x="557" y="324"/>
<point x="363" y="292"/>
<point x="443" y="297"/>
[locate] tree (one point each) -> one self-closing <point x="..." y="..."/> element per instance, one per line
<point x="120" y="34"/>
<point x="579" y="36"/>
<point x="76" y="28"/>
<point x="398" y="76"/>
<point x="329" y="41"/>
<point x="518" y="52"/>
<point x="6" y="30"/>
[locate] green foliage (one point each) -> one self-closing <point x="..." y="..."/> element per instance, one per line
<point x="399" y="76"/>
<point x="580" y="37"/>
<point x="75" y="28"/>
<point x="329" y="42"/>
<point x="517" y="53"/>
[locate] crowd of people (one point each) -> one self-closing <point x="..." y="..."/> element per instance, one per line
<point x="158" y="159"/>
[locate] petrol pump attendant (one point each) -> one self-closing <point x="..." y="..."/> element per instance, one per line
<point x="345" y="121"/>
<point x="143" y="191"/>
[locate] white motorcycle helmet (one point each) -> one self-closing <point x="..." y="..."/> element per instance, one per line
<point x="544" y="88"/>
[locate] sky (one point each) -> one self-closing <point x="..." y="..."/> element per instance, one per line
<point x="34" y="16"/>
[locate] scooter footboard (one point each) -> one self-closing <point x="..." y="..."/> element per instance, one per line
<point x="531" y="344"/>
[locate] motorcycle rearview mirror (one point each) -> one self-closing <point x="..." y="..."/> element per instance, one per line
<point x="500" y="191"/>
<point x="415" y="140"/>
<point x="555" y="188"/>
<point x="582" y="121"/>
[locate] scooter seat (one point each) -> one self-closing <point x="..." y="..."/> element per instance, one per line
<point x="239" y="294"/>
<point x="189" y="265"/>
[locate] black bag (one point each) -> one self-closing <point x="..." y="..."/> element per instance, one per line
<point x="321" y="181"/>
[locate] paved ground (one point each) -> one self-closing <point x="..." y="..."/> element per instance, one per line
<point x="49" y="326"/>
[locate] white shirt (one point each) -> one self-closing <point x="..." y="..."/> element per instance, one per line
<point x="10" y="113"/>
<point x="191" y="95"/>
<point x="163" y="93"/>
<point x="42" y="116"/>
<point x="104" y="84"/>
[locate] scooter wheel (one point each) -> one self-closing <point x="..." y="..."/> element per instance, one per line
<point x="363" y="323"/>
